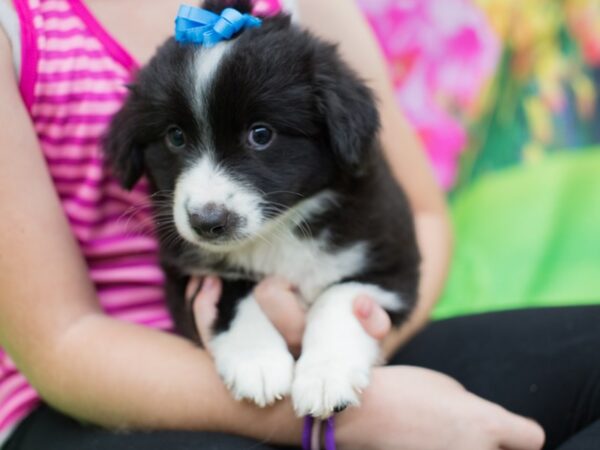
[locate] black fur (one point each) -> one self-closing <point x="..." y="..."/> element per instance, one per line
<point x="216" y="6"/>
<point x="327" y="124"/>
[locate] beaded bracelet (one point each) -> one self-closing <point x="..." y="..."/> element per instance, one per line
<point x="311" y="436"/>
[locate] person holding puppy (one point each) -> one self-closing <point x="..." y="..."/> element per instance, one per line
<point x="81" y="319"/>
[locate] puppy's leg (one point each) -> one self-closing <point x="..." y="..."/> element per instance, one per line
<point x="180" y="309"/>
<point x="337" y="354"/>
<point x="251" y="356"/>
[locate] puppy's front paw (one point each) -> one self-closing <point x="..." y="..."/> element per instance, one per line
<point x="324" y="385"/>
<point x="262" y="376"/>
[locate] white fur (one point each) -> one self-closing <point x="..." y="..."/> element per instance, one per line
<point x="307" y="262"/>
<point x="252" y="357"/>
<point x="206" y="182"/>
<point x="337" y="354"/>
<point x="272" y="248"/>
<point x="386" y="299"/>
<point x="205" y="67"/>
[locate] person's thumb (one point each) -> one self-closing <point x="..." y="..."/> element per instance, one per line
<point x="372" y="317"/>
<point x="204" y="295"/>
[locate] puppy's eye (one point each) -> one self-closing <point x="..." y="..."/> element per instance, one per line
<point x="175" y="138"/>
<point x="260" y="137"/>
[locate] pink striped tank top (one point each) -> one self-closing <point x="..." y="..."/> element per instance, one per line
<point x="73" y="77"/>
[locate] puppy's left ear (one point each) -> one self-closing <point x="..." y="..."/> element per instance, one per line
<point x="349" y="111"/>
<point x="122" y="148"/>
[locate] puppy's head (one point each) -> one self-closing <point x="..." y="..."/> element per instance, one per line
<point x="245" y="131"/>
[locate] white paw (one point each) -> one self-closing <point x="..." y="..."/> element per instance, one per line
<point x="262" y="376"/>
<point x="325" y="385"/>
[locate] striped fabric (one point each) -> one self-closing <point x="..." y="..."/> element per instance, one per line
<point x="72" y="80"/>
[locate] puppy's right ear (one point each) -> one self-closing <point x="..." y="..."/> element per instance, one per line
<point x="122" y="148"/>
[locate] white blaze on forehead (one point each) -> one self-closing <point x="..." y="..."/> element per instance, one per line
<point x="206" y="182"/>
<point x="205" y="67"/>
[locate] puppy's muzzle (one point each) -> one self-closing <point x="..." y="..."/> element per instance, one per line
<point x="213" y="221"/>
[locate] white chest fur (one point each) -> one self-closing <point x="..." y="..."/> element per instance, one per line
<point x="308" y="263"/>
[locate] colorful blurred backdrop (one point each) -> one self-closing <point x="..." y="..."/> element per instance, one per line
<point x="504" y="95"/>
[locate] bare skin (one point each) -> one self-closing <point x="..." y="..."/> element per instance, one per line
<point x="441" y="414"/>
<point x="54" y="329"/>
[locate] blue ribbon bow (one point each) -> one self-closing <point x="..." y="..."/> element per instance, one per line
<point x="199" y="26"/>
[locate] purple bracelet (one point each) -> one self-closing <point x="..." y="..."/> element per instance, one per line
<point x="311" y="436"/>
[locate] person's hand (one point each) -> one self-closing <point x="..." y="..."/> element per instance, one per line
<point x="204" y="294"/>
<point x="280" y="302"/>
<point x="409" y="408"/>
<point x="404" y="408"/>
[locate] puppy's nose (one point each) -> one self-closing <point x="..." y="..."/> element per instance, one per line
<point x="211" y="221"/>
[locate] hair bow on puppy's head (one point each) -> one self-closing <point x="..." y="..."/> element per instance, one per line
<point x="203" y="27"/>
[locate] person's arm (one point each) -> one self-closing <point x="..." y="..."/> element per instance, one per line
<point x="341" y="21"/>
<point x="90" y="366"/>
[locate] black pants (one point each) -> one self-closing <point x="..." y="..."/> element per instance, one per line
<point x="543" y="364"/>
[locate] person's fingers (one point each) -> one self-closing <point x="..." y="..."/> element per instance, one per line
<point x="193" y="288"/>
<point x="372" y="317"/>
<point x="521" y="433"/>
<point x="510" y="431"/>
<point x="205" y="304"/>
<point x="282" y="305"/>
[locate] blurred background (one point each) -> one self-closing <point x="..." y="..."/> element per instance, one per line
<point x="504" y="95"/>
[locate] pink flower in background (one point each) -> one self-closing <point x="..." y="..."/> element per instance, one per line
<point x="584" y="22"/>
<point x="441" y="53"/>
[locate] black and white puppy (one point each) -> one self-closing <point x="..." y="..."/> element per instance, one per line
<point x="263" y="158"/>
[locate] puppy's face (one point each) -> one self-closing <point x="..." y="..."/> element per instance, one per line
<point x="241" y="133"/>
